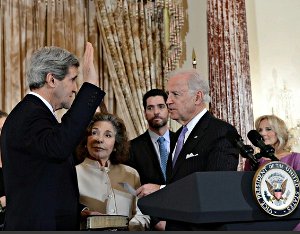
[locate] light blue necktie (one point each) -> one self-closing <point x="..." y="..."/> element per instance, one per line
<point x="163" y="154"/>
<point x="179" y="144"/>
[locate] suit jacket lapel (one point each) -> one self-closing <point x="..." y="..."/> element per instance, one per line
<point x="194" y="138"/>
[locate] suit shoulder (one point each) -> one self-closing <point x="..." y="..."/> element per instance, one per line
<point x="29" y="108"/>
<point x="139" y="138"/>
<point x="221" y="123"/>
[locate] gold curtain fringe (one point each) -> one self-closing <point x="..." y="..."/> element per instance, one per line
<point x="139" y="49"/>
<point x="176" y="19"/>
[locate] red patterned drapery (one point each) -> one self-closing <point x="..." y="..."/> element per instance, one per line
<point x="229" y="71"/>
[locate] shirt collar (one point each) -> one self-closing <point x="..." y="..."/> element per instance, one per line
<point x="96" y="164"/>
<point x="195" y="120"/>
<point x="154" y="137"/>
<point x="44" y="101"/>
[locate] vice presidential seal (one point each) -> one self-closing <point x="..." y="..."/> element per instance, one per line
<point x="276" y="188"/>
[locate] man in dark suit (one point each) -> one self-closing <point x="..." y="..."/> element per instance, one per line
<point x="38" y="164"/>
<point x="201" y="143"/>
<point x="146" y="155"/>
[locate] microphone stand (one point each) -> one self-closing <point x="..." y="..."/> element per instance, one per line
<point x="246" y="151"/>
<point x="268" y="152"/>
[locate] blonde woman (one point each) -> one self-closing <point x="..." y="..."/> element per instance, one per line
<point x="274" y="132"/>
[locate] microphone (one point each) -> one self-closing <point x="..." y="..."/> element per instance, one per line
<point x="265" y="150"/>
<point x="245" y="150"/>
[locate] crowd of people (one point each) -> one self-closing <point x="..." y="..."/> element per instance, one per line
<point x="56" y="174"/>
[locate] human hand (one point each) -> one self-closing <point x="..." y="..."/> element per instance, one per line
<point x="89" y="71"/>
<point x="146" y="189"/>
<point x="160" y="226"/>
<point x="85" y="213"/>
<point x="3" y="201"/>
<point x="2" y="204"/>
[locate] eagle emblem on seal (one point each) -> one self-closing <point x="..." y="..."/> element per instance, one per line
<point x="276" y="189"/>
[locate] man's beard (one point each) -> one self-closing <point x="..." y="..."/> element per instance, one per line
<point x="157" y="125"/>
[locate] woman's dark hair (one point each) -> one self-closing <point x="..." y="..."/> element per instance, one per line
<point x="121" y="152"/>
<point x="3" y="114"/>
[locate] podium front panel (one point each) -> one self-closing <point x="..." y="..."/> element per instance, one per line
<point x="209" y="197"/>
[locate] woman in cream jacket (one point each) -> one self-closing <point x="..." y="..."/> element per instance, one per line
<point x="101" y="174"/>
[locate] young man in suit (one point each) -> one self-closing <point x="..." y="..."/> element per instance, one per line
<point x="201" y="143"/>
<point x="146" y="153"/>
<point x="37" y="151"/>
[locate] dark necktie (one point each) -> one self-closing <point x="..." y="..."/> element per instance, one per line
<point x="163" y="154"/>
<point x="179" y="144"/>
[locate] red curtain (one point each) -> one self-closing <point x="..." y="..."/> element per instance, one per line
<point x="229" y="71"/>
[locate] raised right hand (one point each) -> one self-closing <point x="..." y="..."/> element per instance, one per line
<point x="89" y="71"/>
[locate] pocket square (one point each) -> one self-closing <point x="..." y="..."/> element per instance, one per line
<point x="190" y="155"/>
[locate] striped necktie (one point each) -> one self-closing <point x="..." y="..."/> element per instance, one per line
<point x="163" y="154"/>
<point x="179" y="144"/>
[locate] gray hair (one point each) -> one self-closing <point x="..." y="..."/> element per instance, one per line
<point x="46" y="60"/>
<point x="196" y="81"/>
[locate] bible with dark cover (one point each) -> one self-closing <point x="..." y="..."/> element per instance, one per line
<point x="105" y="222"/>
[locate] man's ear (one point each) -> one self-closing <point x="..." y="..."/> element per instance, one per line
<point x="199" y="97"/>
<point x="50" y="80"/>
